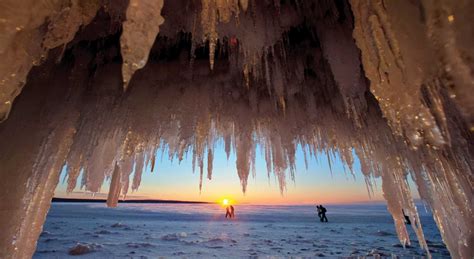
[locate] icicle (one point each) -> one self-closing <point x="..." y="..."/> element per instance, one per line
<point x="227" y="146"/>
<point x="201" y="172"/>
<point x="126" y="167"/>
<point x="210" y="160"/>
<point x="115" y="188"/>
<point x="209" y="24"/>
<point x="153" y="160"/>
<point x="73" y="171"/>
<point x="243" y="145"/>
<point x="396" y="89"/>
<point x="305" y="156"/>
<point x="329" y="162"/>
<point x="268" y="160"/>
<point x="213" y="12"/>
<point x="194" y="162"/>
<point x="137" y="177"/>
<point x="244" y="4"/>
<point x="139" y="33"/>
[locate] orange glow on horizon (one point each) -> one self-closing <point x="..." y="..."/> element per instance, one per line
<point x="259" y="192"/>
<point x="270" y="195"/>
<point x="224" y="202"/>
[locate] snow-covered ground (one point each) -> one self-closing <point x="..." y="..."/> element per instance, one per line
<point x="184" y="230"/>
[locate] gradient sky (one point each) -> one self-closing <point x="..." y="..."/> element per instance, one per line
<point x="176" y="181"/>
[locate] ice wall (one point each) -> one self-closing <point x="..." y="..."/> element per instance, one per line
<point x="29" y="28"/>
<point x="388" y="80"/>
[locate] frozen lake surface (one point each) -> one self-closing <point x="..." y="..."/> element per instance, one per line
<point x="200" y="230"/>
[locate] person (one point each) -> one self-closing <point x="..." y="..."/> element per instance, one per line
<point x="323" y="214"/>
<point x="407" y="219"/>
<point x="319" y="211"/>
<point x="232" y="215"/>
<point x="229" y="212"/>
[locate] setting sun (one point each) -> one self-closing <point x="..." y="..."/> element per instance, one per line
<point x="224" y="202"/>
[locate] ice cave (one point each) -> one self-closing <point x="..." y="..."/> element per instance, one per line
<point x="100" y="85"/>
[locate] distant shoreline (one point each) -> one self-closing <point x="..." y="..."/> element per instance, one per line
<point x="72" y="200"/>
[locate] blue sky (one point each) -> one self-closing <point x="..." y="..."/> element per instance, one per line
<point x="174" y="180"/>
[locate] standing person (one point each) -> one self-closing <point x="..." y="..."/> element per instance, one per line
<point x="323" y="214"/>
<point x="407" y="219"/>
<point x="232" y="215"/>
<point x="228" y="213"/>
<point x="319" y="212"/>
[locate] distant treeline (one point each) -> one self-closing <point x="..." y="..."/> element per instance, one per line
<point x="126" y="201"/>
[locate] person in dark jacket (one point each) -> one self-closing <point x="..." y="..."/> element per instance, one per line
<point x="323" y="214"/>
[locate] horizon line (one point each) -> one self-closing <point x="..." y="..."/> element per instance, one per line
<point x="151" y="200"/>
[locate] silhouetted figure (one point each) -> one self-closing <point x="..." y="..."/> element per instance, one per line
<point x="323" y="214"/>
<point x="232" y="215"/>
<point x="319" y="211"/>
<point x="229" y="212"/>
<point x="407" y="219"/>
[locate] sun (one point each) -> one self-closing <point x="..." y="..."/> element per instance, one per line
<point x="225" y="202"/>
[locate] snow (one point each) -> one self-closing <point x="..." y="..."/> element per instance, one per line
<point x="202" y="231"/>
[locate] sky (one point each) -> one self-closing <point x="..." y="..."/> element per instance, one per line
<point x="172" y="180"/>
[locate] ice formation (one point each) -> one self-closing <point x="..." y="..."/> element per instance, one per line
<point x="139" y="33"/>
<point x="387" y="80"/>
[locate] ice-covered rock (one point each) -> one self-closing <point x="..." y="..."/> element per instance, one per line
<point x="174" y="236"/>
<point x="82" y="248"/>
